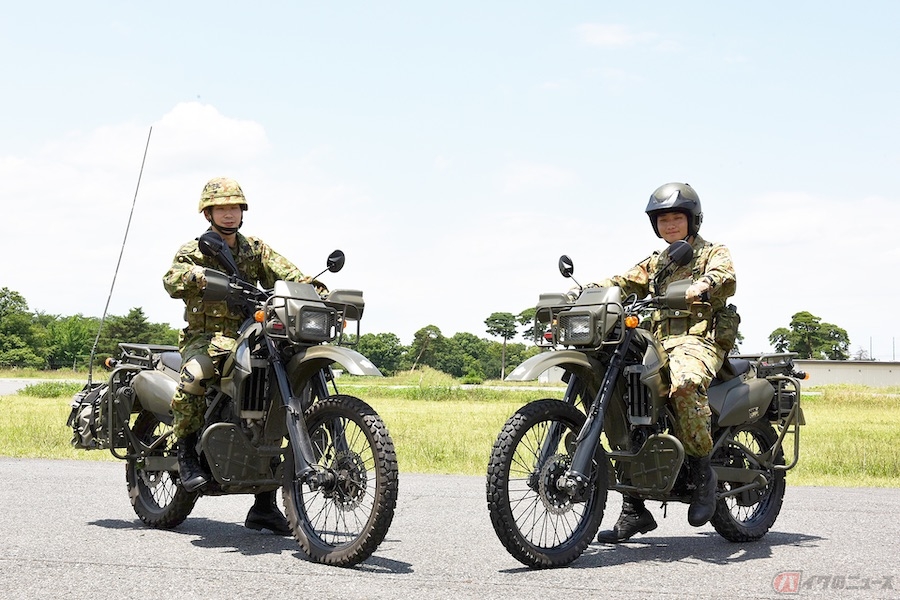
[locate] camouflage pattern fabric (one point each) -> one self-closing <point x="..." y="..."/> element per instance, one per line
<point x="222" y="191"/>
<point x="212" y="326"/>
<point x="688" y="336"/>
<point x="188" y="409"/>
<point x="693" y="361"/>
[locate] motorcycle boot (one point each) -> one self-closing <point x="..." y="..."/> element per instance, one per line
<point x="264" y="514"/>
<point x="703" y="499"/>
<point x="189" y="470"/>
<point x="635" y="518"/>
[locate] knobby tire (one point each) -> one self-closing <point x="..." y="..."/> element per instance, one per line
<point x="157" y="496"/>
<point x="748" y="516"/>
<point x="344" y="522"/>
<point x="539" y="524"/>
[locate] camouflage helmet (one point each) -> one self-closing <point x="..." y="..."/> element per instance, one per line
<point x="222" y="191"/>
<point x="679" y="197"/>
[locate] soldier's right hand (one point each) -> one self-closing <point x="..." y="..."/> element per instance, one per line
<point x="196" y="276"/>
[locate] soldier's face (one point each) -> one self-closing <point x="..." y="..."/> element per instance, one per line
<point x="672" y="226"/>
<point x="228" y="215"/>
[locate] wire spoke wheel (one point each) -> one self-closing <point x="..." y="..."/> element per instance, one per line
<point x="157" y="496"/>
<point x="343" y="520"/>
<point x="538" y="521"/>
<point x="749" y="514"/>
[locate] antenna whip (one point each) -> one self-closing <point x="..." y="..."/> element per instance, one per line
<point x="119" y="262"/>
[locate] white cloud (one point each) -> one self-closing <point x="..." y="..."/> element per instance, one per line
<point x="599" y="34"/>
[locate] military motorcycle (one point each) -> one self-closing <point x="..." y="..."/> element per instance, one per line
<point x="275" y="419"/>
<point x="554" y="461"/>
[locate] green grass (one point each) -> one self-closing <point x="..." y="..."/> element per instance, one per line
<point x="852" y="436"/>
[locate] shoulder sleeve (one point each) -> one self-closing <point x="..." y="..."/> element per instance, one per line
<point x="174" y="279"/>
<point x="719" y="271"/>
<point x="634" y="281"/>
<point x="275" y="266"/>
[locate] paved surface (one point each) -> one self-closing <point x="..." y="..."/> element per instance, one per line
<point x="68" y="530"/>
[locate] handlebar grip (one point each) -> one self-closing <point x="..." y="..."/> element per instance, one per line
<point x="704" y="297"/>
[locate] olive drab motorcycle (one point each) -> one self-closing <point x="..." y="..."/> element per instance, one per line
<point x="275" y="419"/>
<point x="554" y="461"/>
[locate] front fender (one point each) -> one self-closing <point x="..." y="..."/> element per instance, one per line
<point x="319" y="357"/>
<point x="570" y="360"/>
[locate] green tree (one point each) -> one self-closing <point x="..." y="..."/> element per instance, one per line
<point x="426" y="344"/>
<point x="526" y="320"/>
<point x="810" y="338"/>
<point x="503" y="325"/>
<point x="19" y="342"/>
<point x="383" y="349"/>
<point x="71" y="339"/>
<point x="133" y="328"/>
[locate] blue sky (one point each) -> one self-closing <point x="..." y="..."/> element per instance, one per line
<point x="455" y="150"/>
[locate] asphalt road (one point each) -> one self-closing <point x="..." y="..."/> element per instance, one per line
<point x="68" y="530"/>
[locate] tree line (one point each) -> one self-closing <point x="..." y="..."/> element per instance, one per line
<point x="43" y="341"/>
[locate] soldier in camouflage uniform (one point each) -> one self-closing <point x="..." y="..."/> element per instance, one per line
<point x="695" y="350"/>
<point x="212" y="328"/>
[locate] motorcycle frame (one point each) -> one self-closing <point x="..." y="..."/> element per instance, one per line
<point x="579" y="372"/>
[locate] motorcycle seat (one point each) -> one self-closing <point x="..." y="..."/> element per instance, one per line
<point x="731" y="368"/>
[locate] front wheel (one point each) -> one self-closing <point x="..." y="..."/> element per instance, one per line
<point x="539" y="523"/>
<point x="344" y="520"/>
<point x="748" y="515"/>
<point x="157" y="496"/>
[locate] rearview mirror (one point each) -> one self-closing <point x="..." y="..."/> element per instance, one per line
<point x="566" y="266"/>
<point x="680" y="253"/>
<point x="336" y="261"/>
<point x="211" y="244"/>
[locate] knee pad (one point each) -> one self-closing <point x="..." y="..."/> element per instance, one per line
<point x="196" y="375"/>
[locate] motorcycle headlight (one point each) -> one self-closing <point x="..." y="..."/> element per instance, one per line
<point x="576" y="329"/>
<point x="316" y="324"/>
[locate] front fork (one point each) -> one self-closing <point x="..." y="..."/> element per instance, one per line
<point x="577" y="479"/>
<point x="306" y="469"/>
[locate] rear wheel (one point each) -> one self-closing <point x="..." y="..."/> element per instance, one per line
<point x="157" y="496"/>
<point x="748" y="515"/>
<point x="344" y="520"/>
<point x="540" y="524"/>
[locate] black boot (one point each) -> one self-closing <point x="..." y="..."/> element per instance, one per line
<point x="189" y="469"/>
<point x="703" y="499"/>
<point x="264" y="514"/>
<point x="635" y="518"/>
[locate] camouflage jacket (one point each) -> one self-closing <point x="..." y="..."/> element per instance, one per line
<point x="711" y="263"/>
<point x="257" y="263"/>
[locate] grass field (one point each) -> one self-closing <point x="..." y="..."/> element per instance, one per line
<point x="852" y="436"/>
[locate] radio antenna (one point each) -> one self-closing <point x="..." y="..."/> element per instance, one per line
<point x="119" y="262"/>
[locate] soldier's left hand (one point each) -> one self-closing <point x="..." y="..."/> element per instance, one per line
<point x="696" y="290"/>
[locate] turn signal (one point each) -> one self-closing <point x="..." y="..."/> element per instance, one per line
<point x="631" y="322"/>
<point x="259" y="316"/>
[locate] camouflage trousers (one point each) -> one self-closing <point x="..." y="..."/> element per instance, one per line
<point x="693" y="362"/>
<point x="188" y="409"/>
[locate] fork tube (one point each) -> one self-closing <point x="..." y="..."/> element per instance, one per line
<point x="589" y="436"/>
<point x="555" y="431"/>
<point x="301" y="445"/>
<point x="335" y="427"/>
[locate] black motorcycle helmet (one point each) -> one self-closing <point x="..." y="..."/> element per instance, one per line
<point x="676" y="196"/>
